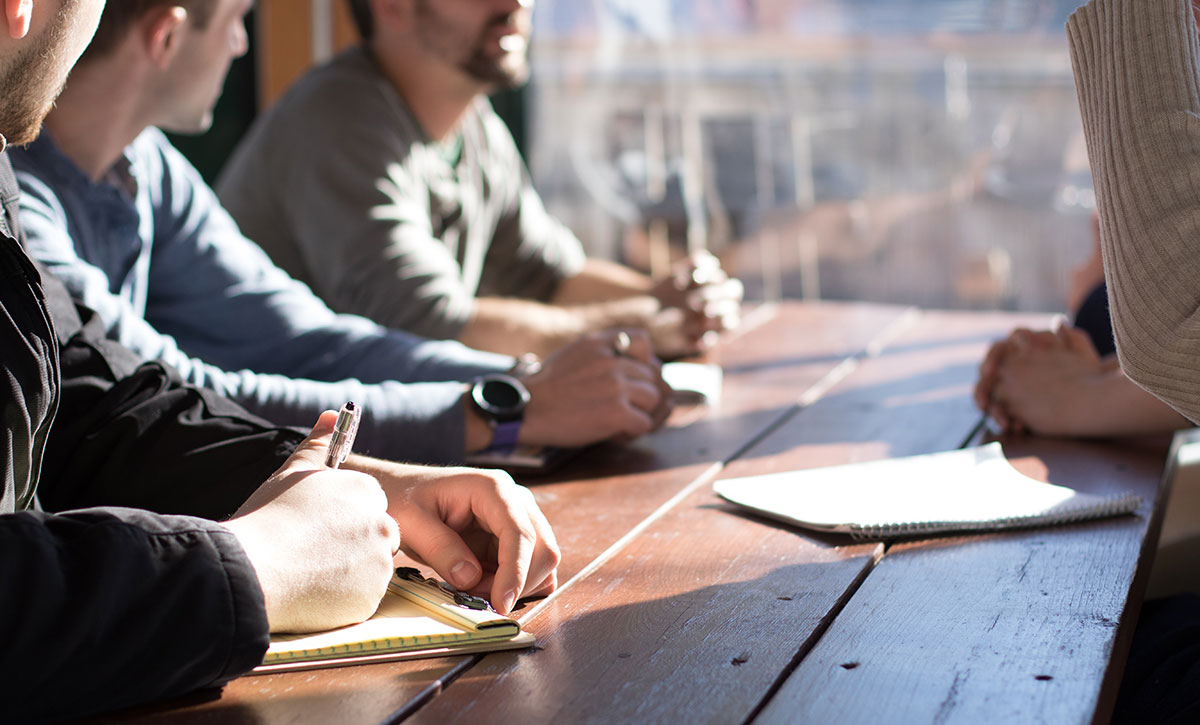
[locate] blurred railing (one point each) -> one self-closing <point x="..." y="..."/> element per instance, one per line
<point x="908" y="151"/>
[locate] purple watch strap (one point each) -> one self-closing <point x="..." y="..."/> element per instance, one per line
<point x="504" y="438"/>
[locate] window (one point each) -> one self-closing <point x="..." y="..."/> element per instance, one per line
<point x="906" y="151"/>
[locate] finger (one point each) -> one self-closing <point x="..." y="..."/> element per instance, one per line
<point x="1045" y="338"/>
<point x="714" y="317"/>
<point x="644" y="392"/>
<point x="393" y="531"/>
<point x="634" y="344"/>
<point x="981" y="395"/>
<point x="987" y="375"/>
<point x="633" y="421"/>
<point x="310" y="454"/>
<point x="998" y="413"/>
<point x="546" y="587"/>
<point x="705" y="268"/>
<point x="726" y="290"/>
<point x="517" y="544"/>
<point x="1078" y="341"/>
<point x="722" y="307"/>
<point x="543" y="568"/>
<point x="698" y="322"/>
<point x="439" y="546"/>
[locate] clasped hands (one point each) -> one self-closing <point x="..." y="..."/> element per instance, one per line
<point x="1040" y="381"/>
<point x="697" y="301"/>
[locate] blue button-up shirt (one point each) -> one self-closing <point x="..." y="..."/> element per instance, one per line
<point x="151" y="250"/>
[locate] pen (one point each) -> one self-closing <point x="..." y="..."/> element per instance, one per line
<point x="344" y="431"/>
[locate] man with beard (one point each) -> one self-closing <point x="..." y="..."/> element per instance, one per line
<point x="131" y="590"/>
<point x="386" y="182"/>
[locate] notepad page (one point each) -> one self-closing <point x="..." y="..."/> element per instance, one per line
<point x="398" y="623"/>
<point x="963" y="489"/>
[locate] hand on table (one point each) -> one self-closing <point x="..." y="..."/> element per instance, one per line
<point x="320" y="540"/>
<point x="589" y="392"/>
<point x="1040" y="382"/>
<point x="477" y="529"/>
<point x="698" y="300"/>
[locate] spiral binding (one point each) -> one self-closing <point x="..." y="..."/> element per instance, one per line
<point x="1123" y="504"/>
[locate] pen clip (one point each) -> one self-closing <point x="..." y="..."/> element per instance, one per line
<point x="462" y="599"/>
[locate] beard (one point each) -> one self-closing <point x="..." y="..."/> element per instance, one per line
<point x="33" y="78"/>
<point x="508" y="70"/>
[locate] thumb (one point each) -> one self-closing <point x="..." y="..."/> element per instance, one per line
<point x="310" y="454"/>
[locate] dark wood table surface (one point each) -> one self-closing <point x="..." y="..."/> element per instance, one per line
<point x="676" y="608"/>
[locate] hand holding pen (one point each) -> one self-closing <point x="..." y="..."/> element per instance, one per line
<point x="344" y="431"/>
<point x="308" y="526"/>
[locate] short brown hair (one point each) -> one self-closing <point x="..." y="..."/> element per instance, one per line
<point x="119" y="16"/>
<point x="360" y="10"/>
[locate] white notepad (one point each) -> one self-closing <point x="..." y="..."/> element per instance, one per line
<point x="973" y="489"/>
<point x="694" y="382"/>
<point x="418" y="617"/>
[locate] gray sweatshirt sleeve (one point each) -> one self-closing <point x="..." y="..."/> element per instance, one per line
<point x="1136" y="70"/>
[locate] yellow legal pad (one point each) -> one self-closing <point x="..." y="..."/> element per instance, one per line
<point x="417" y="618"/>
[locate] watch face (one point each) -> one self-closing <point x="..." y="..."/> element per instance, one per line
<point x="500" y="396"/>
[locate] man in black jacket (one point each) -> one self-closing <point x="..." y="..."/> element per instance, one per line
<point x="150" y="597"/>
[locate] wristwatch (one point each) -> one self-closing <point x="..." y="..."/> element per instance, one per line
<point x="501" y="399"/>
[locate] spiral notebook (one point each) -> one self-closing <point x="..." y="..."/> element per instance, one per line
<point x="973" y="489"/>
<point x="418" y="617"/>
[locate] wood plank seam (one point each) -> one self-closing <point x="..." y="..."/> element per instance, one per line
<point x="818" y="632"/>
<point x="872" y="349"/>
<point x="434" y="689"/>
<point x="815" y="392"/>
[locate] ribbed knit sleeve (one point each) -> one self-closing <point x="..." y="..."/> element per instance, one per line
<point x="1136" y="68"/>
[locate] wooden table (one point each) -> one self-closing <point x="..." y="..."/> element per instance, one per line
<point x="676" y="608"/>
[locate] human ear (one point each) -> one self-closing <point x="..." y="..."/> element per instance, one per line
<point x="161" y="33"/>
<point x="19" y="14"/>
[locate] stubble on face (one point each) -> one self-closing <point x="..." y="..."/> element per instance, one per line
<point x="34" y="77"/>
<point x="508" y="69"/>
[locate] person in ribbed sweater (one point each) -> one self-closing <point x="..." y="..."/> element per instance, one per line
<point x="1137" y="72"/>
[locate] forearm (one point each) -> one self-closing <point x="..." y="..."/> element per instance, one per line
<point x="601" y="281"/>
<point x="131" y="434"/>
<point x="1112" y="405"/>
<point x="1136" y="66"/>
<point x="516" y="327"/>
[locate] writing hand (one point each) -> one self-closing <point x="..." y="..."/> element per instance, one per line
<point x="320" y="540"/>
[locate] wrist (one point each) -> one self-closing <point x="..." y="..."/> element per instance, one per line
<point x="477" y="431"/>
<point x="500" y="401"/>
<point x="638" y="311"/>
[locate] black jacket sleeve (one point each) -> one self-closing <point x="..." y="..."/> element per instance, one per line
<point x="103" y="608"/>
<point x="107" y="608"/>
<point x="132" y="434"/>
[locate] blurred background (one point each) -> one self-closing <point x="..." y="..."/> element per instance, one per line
<point x="922" y="152"/>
